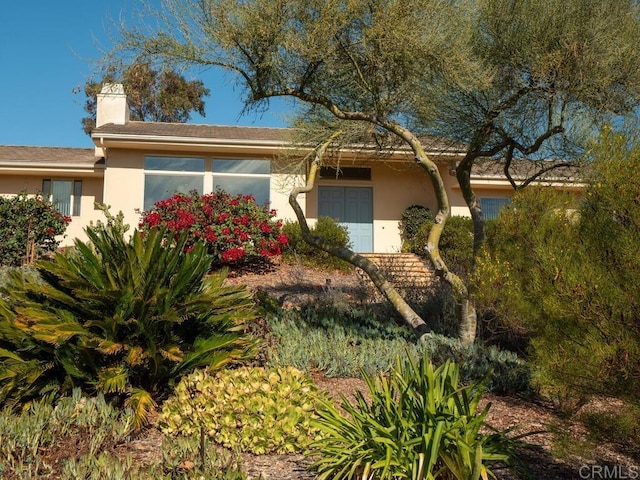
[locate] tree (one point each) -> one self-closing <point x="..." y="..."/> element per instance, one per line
<point x="560" y="71"/>
<point x="397" y="69"/>
<point x="570" y="295"/>
<point x="157" y="96"/>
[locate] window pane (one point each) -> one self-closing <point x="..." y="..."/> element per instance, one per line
<point x="176" y="164"/>
<point x="491" y="206"/>
<point x="46" y="188"/>
<point x="242" y="166"/>
<point x="258" y="187"/>
<point x="61" y="194"/>
<point x="159" y="187"/>
<point x="77" y="197"/>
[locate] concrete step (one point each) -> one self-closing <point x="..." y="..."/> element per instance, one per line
<point x="404" y="270"/>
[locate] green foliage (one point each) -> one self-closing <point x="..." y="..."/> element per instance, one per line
<point x="412" y="221"/>
<point x="233" y="227"/>
<point x="248" y="409"/>
<point x="350" y="343"/>
<point x="559" y="272"/>
<point x="420" y="424"/>
<point x="122" y="317"/>
<point x="28" y="229"/>
<point x="325" y="227"/>
<point x="182" y="459"/>
<point x="41" y="427"/>
<point x="31" y="440"/>
<point x="618" y="426"/>
<point x="456" y="243"/>
<point x="156" y="96"/>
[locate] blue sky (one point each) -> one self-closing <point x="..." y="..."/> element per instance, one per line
<point x="47" y="49"/>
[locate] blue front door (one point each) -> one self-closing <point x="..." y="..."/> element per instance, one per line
<point x="353" y="208"/>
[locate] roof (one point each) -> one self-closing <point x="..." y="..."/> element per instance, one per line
<point x="27" y="156"/>
<point x="520" y="169"/>
<point x="186" y="130"/>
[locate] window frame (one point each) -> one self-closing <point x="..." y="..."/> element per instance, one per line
<point x="501" y="202"/>
<point x="207" y="173"/>
<point x="75" y="197"/>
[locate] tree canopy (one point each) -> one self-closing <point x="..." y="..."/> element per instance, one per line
<point x="503" y="78"/>
<point x="154" y="95"/>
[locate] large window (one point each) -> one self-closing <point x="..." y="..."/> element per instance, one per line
<point x="165" y="176"/>
<point x="66" y="195"/>
<point x="248" y="177"/>
<point x="491" y="206"/>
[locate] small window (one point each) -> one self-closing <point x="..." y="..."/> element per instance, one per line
<point x="491" y="206"/>
<point x="66" y="195"/>
<point x="345" y="173"/>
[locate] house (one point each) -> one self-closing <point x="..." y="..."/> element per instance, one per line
<point x="134" y="164"/>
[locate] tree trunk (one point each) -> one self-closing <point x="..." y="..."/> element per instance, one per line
<point x="410" y="317"/>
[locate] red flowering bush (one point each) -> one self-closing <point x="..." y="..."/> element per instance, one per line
<point x="30" y="228"/>
<point x="233" y="227"/>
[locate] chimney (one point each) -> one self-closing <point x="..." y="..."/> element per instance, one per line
<point x="112" y="105"/>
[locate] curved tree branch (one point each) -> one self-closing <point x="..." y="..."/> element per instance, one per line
<point x="410" y="317"/>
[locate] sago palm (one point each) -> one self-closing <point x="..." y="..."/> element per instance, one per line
<point x="124" y="317"/>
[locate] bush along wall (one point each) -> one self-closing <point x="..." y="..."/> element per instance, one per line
<point x="233" y="227"/>
<point x="30" y="228"/>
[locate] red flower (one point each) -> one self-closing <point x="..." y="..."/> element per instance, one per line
<point x="233" y="254"/>
<point x="283" y="239"/>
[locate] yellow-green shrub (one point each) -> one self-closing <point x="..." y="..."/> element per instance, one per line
<point x="250" y="409"/>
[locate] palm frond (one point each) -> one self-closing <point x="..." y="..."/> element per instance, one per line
<point x="142" y="406"/>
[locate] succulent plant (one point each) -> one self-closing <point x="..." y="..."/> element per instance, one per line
<point x="250" y="409"/>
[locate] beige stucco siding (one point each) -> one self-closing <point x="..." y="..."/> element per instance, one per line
<point x="124" y="184"/>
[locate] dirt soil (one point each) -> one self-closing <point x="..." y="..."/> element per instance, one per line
<point x="291" y="284"/>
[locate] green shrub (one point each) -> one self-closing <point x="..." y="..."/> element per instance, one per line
<point x="348" y="343"/>
<point x="299" y="250"/>
<point x="412" y="220"/>
<point x="28" y="229"/>
<point x="559" y="271"/>
<point x="456" y="243"/>
<point x="123" y="317"/>
<point x="249" y="409"/>
<point x="419" y="424"/>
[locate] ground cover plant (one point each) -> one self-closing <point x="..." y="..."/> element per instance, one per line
<point x="233" y="227"/>
<point x="248" y="409"/>
<point x="123" y="317"/>
<point x="347" y="342"/>
<point x="75" y="437"/>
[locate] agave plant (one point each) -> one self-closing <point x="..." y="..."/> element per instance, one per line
<point x="420" y="424"/>
<point x="126" y="318"/>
